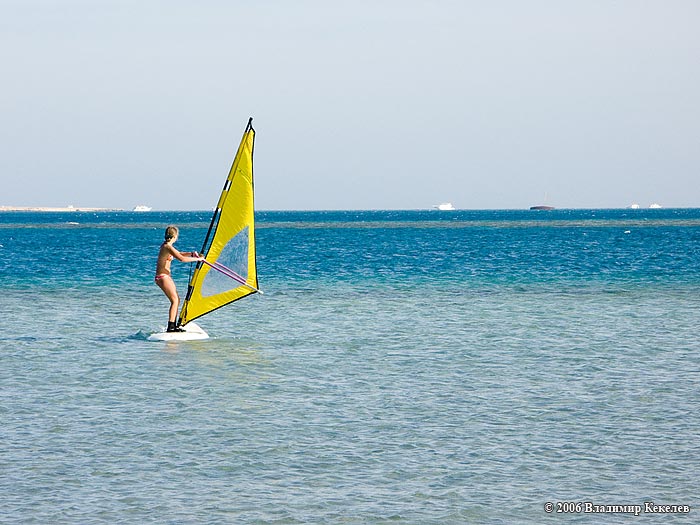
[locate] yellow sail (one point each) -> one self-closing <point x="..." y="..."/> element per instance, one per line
<point x="229" y="272"/>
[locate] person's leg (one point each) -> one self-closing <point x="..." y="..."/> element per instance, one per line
<point x="167" y="284"/>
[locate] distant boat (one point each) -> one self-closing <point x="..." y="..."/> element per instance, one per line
<point x="141" y="207"/>
<point x="655" y="206"/>
<point x="543" y="207"/>
<point x="445" y="206"/>
<point x="633" y="206"/>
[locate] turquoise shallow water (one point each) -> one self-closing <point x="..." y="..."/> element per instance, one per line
<point x="402" y="367"/>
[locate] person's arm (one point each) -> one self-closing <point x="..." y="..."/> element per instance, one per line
<point x="183" y="257"/>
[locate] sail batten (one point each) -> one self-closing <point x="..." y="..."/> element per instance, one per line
<point x="229" y="243"/>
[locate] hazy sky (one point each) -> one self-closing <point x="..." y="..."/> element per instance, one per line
<point x="375" y="104"/>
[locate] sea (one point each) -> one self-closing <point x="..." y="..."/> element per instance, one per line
<point x="418" y="367"/>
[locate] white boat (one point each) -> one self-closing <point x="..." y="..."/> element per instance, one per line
<point x="141" y="207"/>
<point x="655" y="206"/>
<point x="633" y="206"/>
<point x="445" y="206"/>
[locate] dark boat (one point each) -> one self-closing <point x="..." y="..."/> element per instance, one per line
<point x="542" y="208"/>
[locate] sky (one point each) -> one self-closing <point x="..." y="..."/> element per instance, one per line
<point x="369" y="104"/>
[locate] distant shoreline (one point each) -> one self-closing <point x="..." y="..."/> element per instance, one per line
<point x="55" y="209"/>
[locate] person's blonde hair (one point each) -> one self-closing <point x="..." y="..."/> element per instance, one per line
<point x="171" y="232"/>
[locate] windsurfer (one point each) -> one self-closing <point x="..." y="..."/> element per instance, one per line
<point x="164" y="279"/>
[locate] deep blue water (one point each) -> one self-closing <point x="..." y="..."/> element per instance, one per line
<point x="402" y="366"/>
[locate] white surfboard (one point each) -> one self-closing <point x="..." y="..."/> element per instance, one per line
<point x="193" y="332"/>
